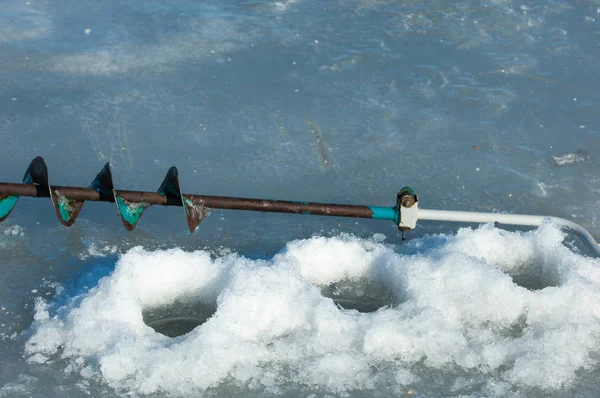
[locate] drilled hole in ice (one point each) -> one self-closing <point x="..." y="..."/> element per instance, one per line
<point x="363" y="296"/>
<point x="535" y="275"/>
<point x="178" y="318"/>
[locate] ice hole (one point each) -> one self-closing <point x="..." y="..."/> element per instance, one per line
<point x="178" y="318"/>
<point x="535" y="275"/>
<point x="533" y="272"/>
<point x="363" y="296"/>
<point x="534" y="260"/>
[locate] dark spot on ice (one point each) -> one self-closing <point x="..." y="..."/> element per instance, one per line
<point x="179" y="318"/>
<point x="363" y="296"/>
<point x="535" y="275"/>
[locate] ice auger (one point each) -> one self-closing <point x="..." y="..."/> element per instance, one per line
<point x="68" y="201"/>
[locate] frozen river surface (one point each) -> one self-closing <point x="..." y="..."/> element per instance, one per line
<point x="489" y="105"/>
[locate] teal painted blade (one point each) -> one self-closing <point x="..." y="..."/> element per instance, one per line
<point x="7" y="203"/>
<point x="170" y="185"/>
<point x="36" y="173"/>
<point x="103" y="182"/>
<point x="66" y="209"/>
<point x="194" y="209"/>
<point x="130" y="212"/>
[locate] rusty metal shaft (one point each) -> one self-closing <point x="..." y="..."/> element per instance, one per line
<point x="212" y="202"/>
<point x="68" y="201"/>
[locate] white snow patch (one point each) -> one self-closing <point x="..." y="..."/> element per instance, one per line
<point x="460" y="312"/>
<point x="95" y="250"/>
<point x="14" y="230"/>
<point x="204" y="39"/>
<point x="570" y="158"/>
<point x="283" y="5"/>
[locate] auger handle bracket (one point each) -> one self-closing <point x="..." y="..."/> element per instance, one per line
<point x="408" y="210"/>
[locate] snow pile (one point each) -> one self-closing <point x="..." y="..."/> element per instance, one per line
<point x="459" y="314"/>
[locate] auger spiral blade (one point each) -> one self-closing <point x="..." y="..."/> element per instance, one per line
<point x="130" y="211"/>
<point x="68" y="201"/>
<point x="36" y="174"/>
<point x="7" y="201"/>
<point x="194" y="209"/>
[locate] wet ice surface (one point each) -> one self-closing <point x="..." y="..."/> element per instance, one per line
<point x="489" y="106"/>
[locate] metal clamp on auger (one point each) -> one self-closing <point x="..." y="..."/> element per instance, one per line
<point x="408" y="210"/>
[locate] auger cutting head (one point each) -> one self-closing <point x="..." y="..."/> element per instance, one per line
<point x="68" y="201"/>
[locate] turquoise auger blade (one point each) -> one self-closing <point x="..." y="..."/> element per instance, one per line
<point x="8" y="202"/>
<point x="130" y="212"/>
<point x="103" y="181"/>
<point x="66" y="209"/>
<point x="36" y="173"/>
<point x="194" y="210"/>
